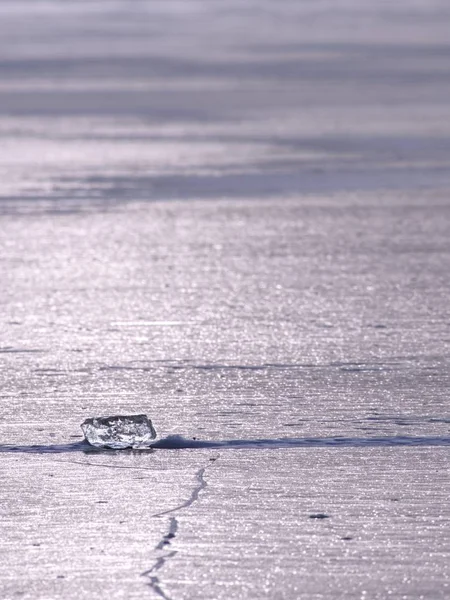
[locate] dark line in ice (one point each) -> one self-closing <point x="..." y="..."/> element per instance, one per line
<point x="154" y="581"/>
<point x="80" y="462"/>
<point x="10" y="350"/>
<point x="178" y="442"/>
<point x="50" y="448"/>
<point x="165" y="541"/>
<point x="192" y="498"/>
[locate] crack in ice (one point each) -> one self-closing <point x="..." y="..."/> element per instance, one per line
<point x="192" y="498"/>
<point x="154" y="581"/>
<point x="173" y="528"/>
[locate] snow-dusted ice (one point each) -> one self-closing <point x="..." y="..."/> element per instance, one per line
<point x="130" y="431"/>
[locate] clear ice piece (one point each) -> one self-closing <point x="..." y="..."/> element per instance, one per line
<point x="131" y="431"/>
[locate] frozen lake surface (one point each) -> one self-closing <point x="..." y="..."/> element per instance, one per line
<point x="233" y="217"/>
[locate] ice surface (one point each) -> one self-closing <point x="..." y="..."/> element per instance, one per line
<point x="131" y="431"/>
<point x="295" y="228"/>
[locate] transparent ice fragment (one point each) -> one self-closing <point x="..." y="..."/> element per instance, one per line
<point x="131" y="431"/>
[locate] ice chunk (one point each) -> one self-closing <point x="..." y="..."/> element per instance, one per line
<point x="131" y="431"/>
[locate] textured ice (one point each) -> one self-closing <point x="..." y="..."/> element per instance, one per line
<point x="130" y="431"/>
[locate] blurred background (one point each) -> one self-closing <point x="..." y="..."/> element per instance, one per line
<point x="122" y="100"/>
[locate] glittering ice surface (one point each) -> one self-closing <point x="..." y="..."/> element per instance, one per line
<point x="241" y="211"/>
<point x="132" y="431"/>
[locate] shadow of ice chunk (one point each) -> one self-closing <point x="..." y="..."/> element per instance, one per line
<point x="173" y="442"/>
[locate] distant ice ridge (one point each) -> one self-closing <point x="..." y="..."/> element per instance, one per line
<point x="130" y="431"/>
